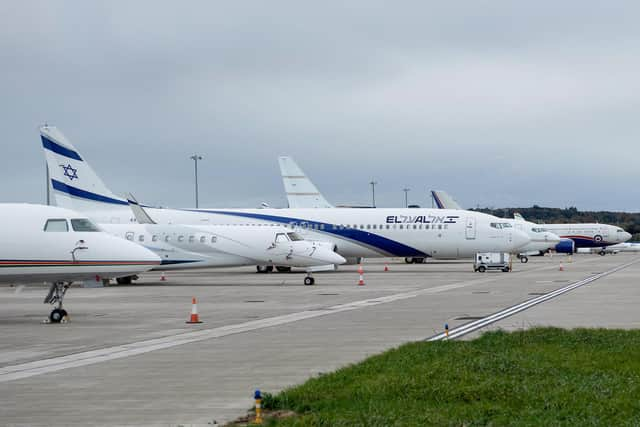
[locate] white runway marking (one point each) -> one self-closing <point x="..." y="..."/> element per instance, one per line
<point x="510" y="311"/>
<point x="44" y="366"/>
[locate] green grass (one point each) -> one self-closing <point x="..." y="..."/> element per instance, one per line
<point x="529" y="378"/>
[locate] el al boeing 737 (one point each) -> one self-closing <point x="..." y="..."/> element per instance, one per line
<point x="573" y="236"/>
<point x="355" y="233"/>
<point x="59" y="246"/>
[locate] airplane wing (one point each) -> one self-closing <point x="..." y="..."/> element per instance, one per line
<point x="301" y="193"/>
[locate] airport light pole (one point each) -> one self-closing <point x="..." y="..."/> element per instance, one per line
<point x="195" y="158"/>
<point x="373" y="193"/>
<point x="406" y="197"/>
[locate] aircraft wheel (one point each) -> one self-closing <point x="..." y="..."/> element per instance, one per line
<point x="124" y="280"/>
<point x="408" y="260"/>
<point x="602" y="253"/>
<point x="57" y="314"/>
<point x="482" y="269"/>
<point x="309" y="281"/>
<point x="506" y="269"/>
<point x="283" y="269"/>
<point x="264" y="268"/>
<point x="418" y="260"/>
<point x="524" y="259"/>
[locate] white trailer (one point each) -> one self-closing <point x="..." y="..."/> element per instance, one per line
<point x="492" y="261"/>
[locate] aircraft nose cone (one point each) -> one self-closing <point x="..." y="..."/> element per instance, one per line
<point x="552" y="238"/>
<point x="520" y="239"/>
<point x="626" y="236"/>
<point x="335" y="258"/>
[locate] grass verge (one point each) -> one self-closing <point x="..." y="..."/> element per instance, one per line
<point x="542" y="376"/>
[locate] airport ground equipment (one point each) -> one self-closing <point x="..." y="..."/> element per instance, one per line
<point x="492" y="261"/>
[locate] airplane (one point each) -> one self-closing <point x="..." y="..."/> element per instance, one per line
<point x="354" y="233"/>
<point x="59" y="246"/>
<point x="203" y="245"/>
<point x="573" y="236"/>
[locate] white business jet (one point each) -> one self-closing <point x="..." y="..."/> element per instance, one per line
<point x="354" y="233"/>
<point x="59" y="246"/>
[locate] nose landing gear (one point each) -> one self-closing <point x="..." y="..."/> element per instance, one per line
<point x="56" y="295"/>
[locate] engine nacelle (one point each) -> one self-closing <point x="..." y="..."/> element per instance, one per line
<point x="566" y="246"/>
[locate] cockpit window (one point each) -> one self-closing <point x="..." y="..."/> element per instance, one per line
<point x="538" y="230"/>
<point x="619" y="230"/>
<point x="294" y="237"/>
<point x="56" y="225"/>
<point x="281" y="238"/>
<point x="501" y="225"/>
<point x="83" y="224"/>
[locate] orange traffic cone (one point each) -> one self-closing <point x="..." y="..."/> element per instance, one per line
<point x="361" y="273"/>
<point x="561" y="267"/>
<point x="386" y="267"/>
<point x="163" y="277"/>
<point x="194" y="312"/>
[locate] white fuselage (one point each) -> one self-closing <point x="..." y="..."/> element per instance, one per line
<point x="368" y="232"/>
<point x="541" y="238"/>
<point x="36" y="246"/>
<point x="589" y="235"/>
<point x="191" y="246"/>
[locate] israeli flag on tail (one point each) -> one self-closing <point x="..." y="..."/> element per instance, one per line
<point x="74" y="184"/>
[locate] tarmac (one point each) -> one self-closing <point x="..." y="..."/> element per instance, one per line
<point x="127" y="357"/>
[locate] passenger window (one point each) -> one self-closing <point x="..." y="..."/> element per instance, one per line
<point x="180" y="238"/>
<point x="129" y="235"/>
<point x="83" y="224"/>
<point x="374" y="226"/>
<point x="214" y="239"/>
<point x="56" y="225"/>
<point x="415" y="227"/>
<point x="154" y="238"/>
<point x="202" y="239"/>
<point x="167" y="238"/>
<point x="192" y="239"/>
<point x="401" y="226"/>
<point x="368" y="226"/>
<point x="141" y="238"/>
<point x="388" y="226"/>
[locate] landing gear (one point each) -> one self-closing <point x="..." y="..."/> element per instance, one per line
<point x="410" y="260"/>
<point x="126" y="280"/>
<point x="282" y="269"/>
<point x="602" y="252"/>
<point x="264" y="268"/>
<point x="309" y="280"/>
<point x="56" y="295"/>
<point x="524" y="259"/>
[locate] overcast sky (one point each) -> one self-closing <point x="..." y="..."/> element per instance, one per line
<point x="500" y="103"/>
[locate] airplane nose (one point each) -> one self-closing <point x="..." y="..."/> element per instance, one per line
<point x="335" y="258"/>
<point x="139" y="253"/>
<point x="626" y="236"/>
<point x="552" y="238"/>
<point x="519" y="239"/>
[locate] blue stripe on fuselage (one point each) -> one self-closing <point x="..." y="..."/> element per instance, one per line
<point x="383" y="244"/>
<point x="76" y="192"/>
<point x="59" y="149"/>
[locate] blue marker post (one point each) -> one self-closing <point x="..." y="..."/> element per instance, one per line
<point x="258" y="397"/>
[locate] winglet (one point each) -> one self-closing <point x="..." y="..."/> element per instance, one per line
<point x="443" y="200"/>
<point x="142" y="217"/>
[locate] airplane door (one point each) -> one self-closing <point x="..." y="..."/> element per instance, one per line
<point x="470" y="228"/>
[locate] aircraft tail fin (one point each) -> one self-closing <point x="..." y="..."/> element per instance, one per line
<point x="74" y="183"/>
<point x="142" y="217"/>
<point x="443" y="200"/>
<point x="301" y="192"/>
<point x="517" y="216"/>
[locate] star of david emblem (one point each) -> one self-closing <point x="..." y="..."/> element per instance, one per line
<point x="70" y="172"/>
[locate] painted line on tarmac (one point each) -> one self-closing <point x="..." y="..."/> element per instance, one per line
<point x="470" y="327"/>
<point x="45" y="366"/>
